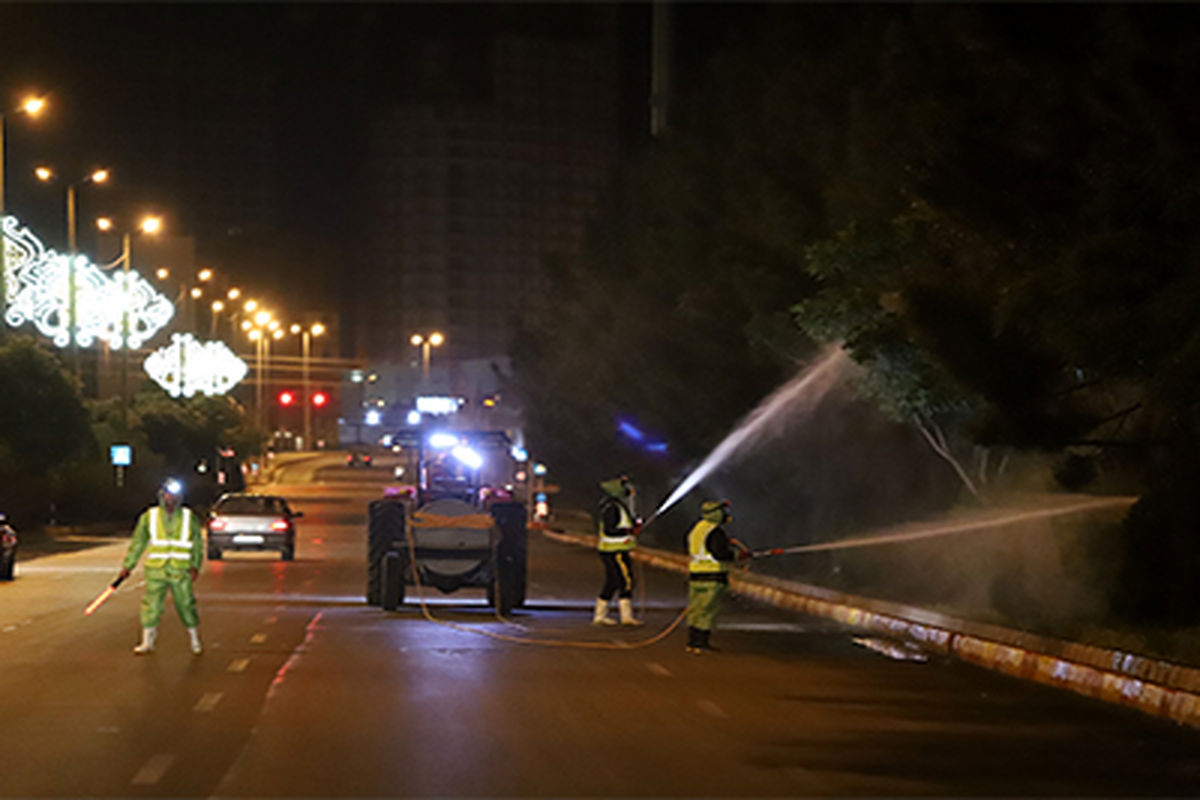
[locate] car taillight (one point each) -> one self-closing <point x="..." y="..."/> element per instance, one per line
<point x="279" y="525"/>
<point x="217" y="525"/>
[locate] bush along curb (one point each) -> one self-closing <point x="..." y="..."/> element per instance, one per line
<point x="1151" y="685"/>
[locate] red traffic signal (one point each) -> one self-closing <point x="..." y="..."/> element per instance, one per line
<point x="319" y="399"/>
<point x="287" y="398"/>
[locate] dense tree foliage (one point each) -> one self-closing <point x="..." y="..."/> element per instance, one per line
<point x="991" y="207"/>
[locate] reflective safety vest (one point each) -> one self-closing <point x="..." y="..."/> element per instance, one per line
<point x="163" y="548"/>
<point x="701" y="560"/>
<point x="622" y="541"/>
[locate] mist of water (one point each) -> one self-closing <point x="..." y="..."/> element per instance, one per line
<point x="801" y="394"/>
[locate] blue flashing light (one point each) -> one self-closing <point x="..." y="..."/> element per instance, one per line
<point x="629" y="430"/>
<point x="519" y="453"/>
<point x="373" y="417"/>
<point x="656" y="447"/>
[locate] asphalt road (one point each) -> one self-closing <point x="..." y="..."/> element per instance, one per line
<point x="305" y="691"/>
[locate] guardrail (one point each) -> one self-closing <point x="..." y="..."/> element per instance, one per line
<point x="1154" y="686"/>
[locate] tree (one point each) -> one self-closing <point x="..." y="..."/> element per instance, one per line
<point x="43" y="426"/>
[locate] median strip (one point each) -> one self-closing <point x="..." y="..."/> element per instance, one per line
<point x="1157" y="687"/>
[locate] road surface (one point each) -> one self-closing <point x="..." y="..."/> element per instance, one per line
<point x="305" y="691"/>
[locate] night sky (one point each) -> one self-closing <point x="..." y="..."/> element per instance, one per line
<point x="197" y="107"/>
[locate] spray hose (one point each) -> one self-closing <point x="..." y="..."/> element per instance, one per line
<point x="578" y="644"/>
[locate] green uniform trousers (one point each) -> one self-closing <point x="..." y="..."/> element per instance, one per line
<point x="704" y="603"/>
<point x="158" y="581"/>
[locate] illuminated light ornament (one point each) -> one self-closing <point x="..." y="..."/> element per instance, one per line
<point x="37" y="284"/>
<point x="187" y="367"/>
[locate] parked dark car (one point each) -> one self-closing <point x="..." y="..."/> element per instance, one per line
<point x="243" y="521"/>
<point x="8" y="549"/>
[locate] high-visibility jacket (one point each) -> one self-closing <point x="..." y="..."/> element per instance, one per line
<point x="615" y="529"/>
<point x="170" y="541"/>
<point x="702" y="562"/>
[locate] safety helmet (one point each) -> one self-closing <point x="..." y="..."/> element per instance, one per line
<point x="716" y="511"/>
<point x="171" y="486"/>
<point x="619" y="486"/>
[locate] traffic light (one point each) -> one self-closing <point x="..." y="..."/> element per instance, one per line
<point x="287" y="398"/>
<point x="320" y="399"/>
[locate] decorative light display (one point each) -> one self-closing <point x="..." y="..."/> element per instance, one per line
<point x="37" y="284"/>
<point x="186" y="367"/>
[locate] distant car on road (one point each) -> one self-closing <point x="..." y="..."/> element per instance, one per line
<point x="244" y="521"/>
<point x="8" y="549"/>
<point x="358" y="459"/>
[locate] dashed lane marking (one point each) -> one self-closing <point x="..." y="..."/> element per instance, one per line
<point x="154" y="769"/>
<point x="712" y="709"/>
<point x="258" y="638"/>
<point x="658" y="669"/>
<point x="209" y="701"/>
<point x="239" y="665"/>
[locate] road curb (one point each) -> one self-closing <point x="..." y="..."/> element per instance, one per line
<point x="1153" y="686"/>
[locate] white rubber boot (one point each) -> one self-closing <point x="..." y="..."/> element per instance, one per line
<point x="600" y="617"/>
<point x="149" y="637"/>
<point x="625" y="605"/>
<point x="194" y="636"/>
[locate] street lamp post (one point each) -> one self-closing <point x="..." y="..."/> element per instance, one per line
<point x="306" y="334"/>
<point x="97" y="176"/>
<point x="32" y="106"/>
<point x="425" y="342"/>
<point x="149" y="225"/>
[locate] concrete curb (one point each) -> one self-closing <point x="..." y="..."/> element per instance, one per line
<point x="1161" y="688"/>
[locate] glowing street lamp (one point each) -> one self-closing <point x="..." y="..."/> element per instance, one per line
<point x="31" y="107"/>
<point x="204" y="275"/>
<point x="425" y="342"/>
<point x="96" y="176"/>
<point x="149" y="225"/>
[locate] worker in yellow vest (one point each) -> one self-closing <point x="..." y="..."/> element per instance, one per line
<point x="170" y="536"/>
<point x="618" y="530"/>
<point x="710" y="551"/>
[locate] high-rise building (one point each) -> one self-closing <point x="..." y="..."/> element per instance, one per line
<point x="495" y="159"/>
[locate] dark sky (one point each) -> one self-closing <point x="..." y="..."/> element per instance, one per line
<point x="268" y="101"/>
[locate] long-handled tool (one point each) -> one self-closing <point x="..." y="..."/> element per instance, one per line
<point x="107" y="593"/>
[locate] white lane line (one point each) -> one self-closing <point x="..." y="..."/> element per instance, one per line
<point x="712" y="709"/>
<point x="258" y="638"/>
<point x="8" y="628"/>
<point x="209" y="701"/>
<point x="658" y="669"/>
<point x="154" y="769"/>
<point x="239" y="665"/>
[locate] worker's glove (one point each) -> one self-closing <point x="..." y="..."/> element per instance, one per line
<point x="193" y="573"/>
<point x="744" y="554"/>
<point x="123" y="574"/>
<point x="637" y="528"/>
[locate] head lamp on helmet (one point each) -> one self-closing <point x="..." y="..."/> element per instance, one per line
<point x="172" y="487"/>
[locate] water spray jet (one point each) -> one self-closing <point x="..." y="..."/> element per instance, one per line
<point x="802" y="392"/>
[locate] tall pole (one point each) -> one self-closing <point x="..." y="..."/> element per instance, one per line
<point x="72" y="321"/>
<point x="425" y="361"/>
<point x="304" y="345"/>
<point x="126" y="248"/>
<point x="258" y="389"/>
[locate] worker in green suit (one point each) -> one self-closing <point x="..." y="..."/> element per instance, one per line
<point x="710" y="552"/>
<point x="169" y="534"/>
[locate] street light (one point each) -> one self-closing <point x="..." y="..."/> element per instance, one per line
<point x="306" y="334"/>
<point x="31" y="107"/>
<point x="96" y="176"/>
<point x="425" y="342"/>
<point x="148" y="225"/>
